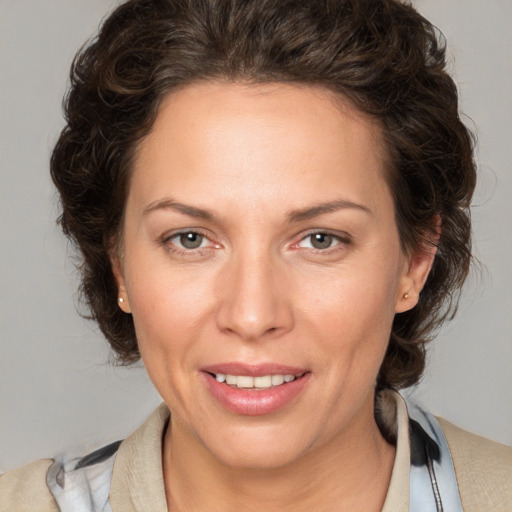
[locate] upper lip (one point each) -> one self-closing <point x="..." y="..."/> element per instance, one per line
<point x="253" y="370"/>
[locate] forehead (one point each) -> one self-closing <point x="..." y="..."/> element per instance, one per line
<point x="258" y="140"/>
<point x="194" y="105"/>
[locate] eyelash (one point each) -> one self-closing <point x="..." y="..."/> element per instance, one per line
<point x="172" y="247"/>
<point x="342" y="240"/>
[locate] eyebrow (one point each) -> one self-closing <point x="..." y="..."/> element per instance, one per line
<point x="292" y="216"/>
<point x="170" y="204"/>
<point x="320" y="209"/>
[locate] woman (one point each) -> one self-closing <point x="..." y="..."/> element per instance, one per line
<point x="271" y="204"/>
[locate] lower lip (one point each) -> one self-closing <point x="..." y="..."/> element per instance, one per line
<point x="255" y="403"/>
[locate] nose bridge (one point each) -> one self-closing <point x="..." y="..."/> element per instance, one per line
<point x="252" y="304"/>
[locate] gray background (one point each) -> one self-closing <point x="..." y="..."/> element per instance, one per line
<point x="57" y="391"/>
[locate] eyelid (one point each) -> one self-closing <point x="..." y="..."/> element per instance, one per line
<point x="342" y="237"/>
<point x="166" y="239"/>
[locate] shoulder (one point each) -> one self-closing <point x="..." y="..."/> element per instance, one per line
<point x="24" y="489"/>
<point x="38" y="486"/>
<point x="483" y="469"/>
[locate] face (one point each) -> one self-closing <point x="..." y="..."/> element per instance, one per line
<point x="262" y="265"/>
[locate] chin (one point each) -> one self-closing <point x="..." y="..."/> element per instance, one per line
<point x="257" y="447"/>
<point x="258" y="458"/>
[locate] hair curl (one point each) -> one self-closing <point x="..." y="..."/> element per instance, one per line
<point x="380" y="54"/>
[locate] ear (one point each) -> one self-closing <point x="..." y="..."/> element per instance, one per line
<point x="122" y="295"/>
<point x="416" y="269"/>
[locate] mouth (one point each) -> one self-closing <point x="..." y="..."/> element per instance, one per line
<point x="255" y="390"/>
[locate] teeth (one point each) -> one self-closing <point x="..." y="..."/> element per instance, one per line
<point x="247" y="382"/>
<point x="277" y="380"/>
<point x="263" y="382"/>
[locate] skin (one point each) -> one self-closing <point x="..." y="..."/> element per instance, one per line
<point x="257" y="290"/>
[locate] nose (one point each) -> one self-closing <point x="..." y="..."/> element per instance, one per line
<point x="255" y="301"/>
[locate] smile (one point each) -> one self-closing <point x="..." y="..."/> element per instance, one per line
<point x="255" y="383"/>
<point x="255" y="390"/>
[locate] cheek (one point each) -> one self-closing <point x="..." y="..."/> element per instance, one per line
<point x="168" y="307"/>
<point x="168" y="314"/>
<point x="351" y="318"/>
<point x="351" y="300"/>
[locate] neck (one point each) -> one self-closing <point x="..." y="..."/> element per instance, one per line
<point x="350" y="472"/>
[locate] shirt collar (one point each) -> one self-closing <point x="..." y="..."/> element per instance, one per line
<point x="137" y="479"/>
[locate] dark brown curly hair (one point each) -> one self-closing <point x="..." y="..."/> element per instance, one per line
<point x="382" y="55"/>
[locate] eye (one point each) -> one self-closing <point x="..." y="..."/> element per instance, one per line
<point x="188" y="241"/>
<point x="320" y="241"/>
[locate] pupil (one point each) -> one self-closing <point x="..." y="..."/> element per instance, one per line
<point x="191" y="240"/>
<point x="321" y="241"/>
